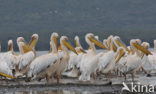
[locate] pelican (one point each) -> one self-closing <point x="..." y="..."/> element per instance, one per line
<point x="152" y="58"/>
<point x="41" y="63"/>
<point x="134" y="61"/>
<point x="146" y="45"/>
<point x="65" y="56"/>
<point x="28" y="54"/>
<point x="74" y="59"/>
<point x="89" y="62"/>
<point x="7" y="61"/>
<point x="106" y="64"/>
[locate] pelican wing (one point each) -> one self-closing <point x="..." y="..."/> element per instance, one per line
<point x="4" y="68"/>
<point x="41" y="63"/>
<point x="25" y="59"/>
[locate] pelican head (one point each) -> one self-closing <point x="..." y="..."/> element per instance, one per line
<point x="91" y="40"/>
<point x="10" y="45"/>
<point x="54" y="38"/>
<point x="146" y="45"/>
<point x="97" y="37"/>
<point x="23" y="46"/>
<point x="120" y="52"/>
<point x="80" y="50"/>
<point x="139" y="41"/>
<point x="154" y="42"/>
<point x="134" y="43"/>
<point x="105" y="43"/>
<point x="20" y="39"/>
<point x="109" y="41"/>
<point x="65" y="44"/>
<point x="120" y="43"/>
<point x="33" y="41"/>
<point x="77" y="41"/>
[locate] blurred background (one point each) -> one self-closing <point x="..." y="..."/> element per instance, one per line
<point x="125" y="18"/>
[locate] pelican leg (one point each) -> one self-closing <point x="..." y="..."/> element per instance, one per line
<point x="100" y="75"/>
<point x="132" y="77"/>
<point x="58" y="78"/>
<point x="48" y="79"/>
<point x="116" y="72"/>
<point x="94" y="76"/>
<point x="27" y="79"/>
<point x="144" y="70"/>
<point x="52" y="77"/>
<point x="125" y="76"/>
<point x="120" y="74"/>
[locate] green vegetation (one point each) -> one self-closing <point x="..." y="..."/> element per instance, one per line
<point x="125" y="18"/>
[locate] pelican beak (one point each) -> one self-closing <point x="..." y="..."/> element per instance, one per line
<point x="121" y="53"/>
<point x="142" y="49"/>
<point x="60" y="48"/>
<point x="68" y="45"/>
<point x="97" y="42"/>
<point x="114" y="47"/>
<point x="131" y="51"/>
<point x="6" y="75"/>
<point x="10" y="47"/>
<point x="83" y="51"/>
<point x="55" y="41"/>
<point x="109" y="44"/>
<point x="122" y="44"/>
<point x="76" y="43"/>
<point x="26" y="47"/>
<point x="33" y="42"/>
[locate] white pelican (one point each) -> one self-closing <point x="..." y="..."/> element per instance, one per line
<point x="106" y="63"/>
<point x="75" y="59"/>
<point x="145" y="62"/>
<point x="7" y="61"/>
<point x="65" y="56"/>
<point x="89" y="62"/>
<point x="41" y="63"/>
<point x="134" y="61"/>
<point x="27" y="54"/>
<point x="152" y="58"/>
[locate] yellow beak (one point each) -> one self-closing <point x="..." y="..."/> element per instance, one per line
<point x="55" y="41"/>
<point x="10" y="47"/>
<point x="142" y="49"/>
<point x="82" y="51"/>
<point x="26" y="48"/>
<point x="60" y="48"/>
<point x="121" y="53"/>
<point x="97" y="42"/>
<point x="114" y="47"/>
<point x="109" y="44"/>
<point x="122" y="44"/>
<point x="131" y="51"/>
<point x="68" y="45"/>
<point x="33" y="42"/>
<point x="8" y="76"/>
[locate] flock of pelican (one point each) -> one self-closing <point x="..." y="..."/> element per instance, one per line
<point x="115" y="58"/>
